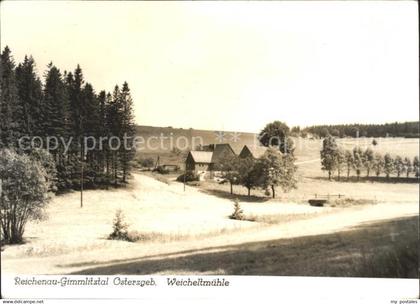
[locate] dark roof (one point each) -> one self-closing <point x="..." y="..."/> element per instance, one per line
<point x="256" y="151"/>
<point x="220" y="151"/>
<point x="202" y="156"/>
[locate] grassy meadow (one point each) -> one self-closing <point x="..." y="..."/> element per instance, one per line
<point x="370" y="230"/>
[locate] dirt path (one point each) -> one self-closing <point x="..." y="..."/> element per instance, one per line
<point x="172" y="207"/>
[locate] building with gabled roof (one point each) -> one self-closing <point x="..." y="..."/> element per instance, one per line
<point x="205" y="161"/>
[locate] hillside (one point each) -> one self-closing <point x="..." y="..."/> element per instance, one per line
<point x="160" y="141"/>
<point x="306" y="150"/>
<point x="189" y="138"/>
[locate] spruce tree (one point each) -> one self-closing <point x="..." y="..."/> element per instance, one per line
<point x="12" y="124"/>
<point x="127" y="131"/>
<point x="56" y="122"/>
<point x="29" y="89"/>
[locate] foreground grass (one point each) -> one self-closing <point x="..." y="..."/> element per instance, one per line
<point x="381" y="249"/>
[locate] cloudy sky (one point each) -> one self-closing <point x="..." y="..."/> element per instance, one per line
<point x="233" y="65"/>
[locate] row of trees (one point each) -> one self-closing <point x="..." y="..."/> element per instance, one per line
<point x="273" y="169"/>
<point x="405" y="129"/>
<point x="337" y="160"/>
<point x="67" y="109"/>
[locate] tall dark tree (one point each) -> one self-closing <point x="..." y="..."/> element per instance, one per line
<point x="55" y="107"/>
<point x="55" y="118"/>
<point x="12" y="123"/>
<point x="74" y="84"/>
<point x="29" y="89"/>
<point x="127" y="131"/>
<point x="67" y="111"/>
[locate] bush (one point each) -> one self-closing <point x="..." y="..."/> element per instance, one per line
<point x="119" y="228"/>
<point x="46" y="160"/>
<point x="146" y="162"/>
<point x="23" y="193"/>
<point x="238" y="213"/>
<point x="189" y="177"/>
<point x="161" y="170"/>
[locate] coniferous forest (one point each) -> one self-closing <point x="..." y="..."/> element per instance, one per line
<point x="402" y="129"/>
<point x="60" y="112"/>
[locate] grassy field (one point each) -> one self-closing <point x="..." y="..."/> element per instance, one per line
<point x="183" y="226"/>
<point x="369" y="250"/>
<point x="369" y="231"/>
<point x="307" y="151"/>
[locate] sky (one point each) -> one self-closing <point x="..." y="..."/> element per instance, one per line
<point x="233" y="65"/>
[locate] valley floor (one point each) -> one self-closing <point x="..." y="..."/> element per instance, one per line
<point x="190" y="232"/>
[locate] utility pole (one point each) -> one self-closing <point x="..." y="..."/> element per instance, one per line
<point x="82" y="159"/>
<point x="81" y="184"/>
<point x="185" y="175"/>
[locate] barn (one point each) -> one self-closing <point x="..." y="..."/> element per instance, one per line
<point x="200" y="162"/>
<point x="205" y="162"/>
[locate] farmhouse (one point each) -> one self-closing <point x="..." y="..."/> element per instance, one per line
<point x="252" y="151"/>
<point x="205" y="162"/>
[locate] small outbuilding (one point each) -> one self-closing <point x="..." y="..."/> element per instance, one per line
<point x="199" y="162"/>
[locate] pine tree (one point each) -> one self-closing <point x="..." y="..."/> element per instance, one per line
<point x="127" y="131"/>
<point x="114" y="123"/>
<point x="29" y="89"/>
<point x="56" y="121"/>
<point x="91" y="128"/>
<point x="55" y="107"/>
<point x="74" y="84"/>
<point x="12" y="124"/>
<point x="102" y="131"/>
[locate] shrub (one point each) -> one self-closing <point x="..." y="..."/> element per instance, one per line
<point x="146" y="162"/>
<point x="119" y="227"/>
<point x="46" y="160"/>
<point x="23" y="193"/>
<point x="238" y="213"/>
<point x="161" y="170"/>
<point x="189" y="177"/>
